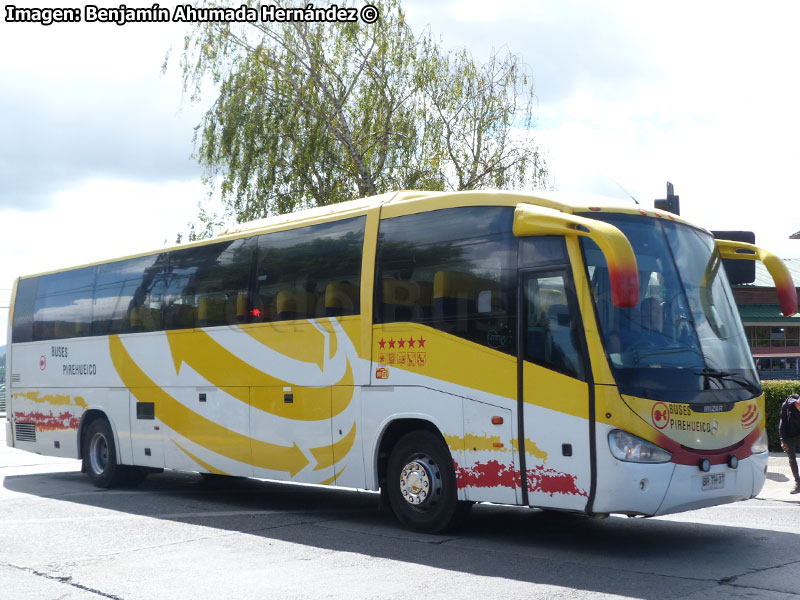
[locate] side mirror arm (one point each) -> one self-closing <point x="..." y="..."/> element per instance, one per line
<point x="531" y="220"/>
<point x="787" y="293"/>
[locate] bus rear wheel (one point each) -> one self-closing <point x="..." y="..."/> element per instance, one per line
<point x="100" y="456"/>
<point x="421" y="484"/>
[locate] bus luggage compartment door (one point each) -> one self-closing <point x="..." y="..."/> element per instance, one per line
<point x="488" y="471"/>
<point x="147" y="446"/>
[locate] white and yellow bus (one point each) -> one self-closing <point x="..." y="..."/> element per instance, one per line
<point x="445" y="348"/>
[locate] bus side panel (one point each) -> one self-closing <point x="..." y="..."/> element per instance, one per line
<point x="348" y="438"/>
<point x="255" y="402"/>
<point x="47" y="420"/>
<point x="383" y="405"/>
<point x="488" y="471"/>
<point x="56" y="383"/>
<point x="484" y="456"/>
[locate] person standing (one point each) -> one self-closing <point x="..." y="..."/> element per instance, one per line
<point x="789" y="430"/>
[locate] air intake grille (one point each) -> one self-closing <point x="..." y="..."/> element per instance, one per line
<point x="25" y="432"/>
<point x="16" y="378"/>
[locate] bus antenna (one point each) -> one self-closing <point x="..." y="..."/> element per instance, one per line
<point x="619" y="185"/>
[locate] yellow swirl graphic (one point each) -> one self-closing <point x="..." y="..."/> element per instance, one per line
<point x="197" y="428"/>
<point x="221" y="368"/>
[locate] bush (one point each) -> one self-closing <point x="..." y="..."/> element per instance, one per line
<point x="776" y="392"/>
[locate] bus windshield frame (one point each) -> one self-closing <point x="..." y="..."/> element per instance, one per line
<point x="684" y="341"/>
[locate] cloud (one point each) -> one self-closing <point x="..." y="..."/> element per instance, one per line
<point x="46" y="149"/>
<point x="569" y="45"/>
<point x="87" y="101"/>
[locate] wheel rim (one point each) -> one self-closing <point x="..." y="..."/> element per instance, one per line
<point x="420" y="481"/>
<point x="98" y="453"/>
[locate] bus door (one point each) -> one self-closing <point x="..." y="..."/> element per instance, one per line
<point x="554" y="396"/>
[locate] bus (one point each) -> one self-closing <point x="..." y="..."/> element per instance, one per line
<point x="445" y="348"/>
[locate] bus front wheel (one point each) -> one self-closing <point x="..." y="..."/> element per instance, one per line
<point x="421" y="484"/>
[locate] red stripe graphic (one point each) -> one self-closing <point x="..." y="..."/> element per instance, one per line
<point x="494" y="474"/>
<point x="49" y="422"/>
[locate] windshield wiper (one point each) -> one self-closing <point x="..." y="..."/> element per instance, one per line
<point x="729" y="376"/>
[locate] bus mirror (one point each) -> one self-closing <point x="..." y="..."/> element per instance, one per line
<point x="530" y="220"/>
<point x="787" y="294"/>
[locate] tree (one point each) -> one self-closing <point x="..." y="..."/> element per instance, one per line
<point x="482" y="120"/>
<point x="312" y="113"/>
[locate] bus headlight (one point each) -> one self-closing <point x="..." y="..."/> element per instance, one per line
<point x="760" y="445"/>
<point x="630" y="448"/>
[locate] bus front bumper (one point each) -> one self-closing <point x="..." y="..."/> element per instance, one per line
<point x="690" y="488"/>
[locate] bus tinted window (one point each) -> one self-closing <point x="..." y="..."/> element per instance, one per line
<point x="22" y="329"/>
<point x="453" y="269"/>
<point x="208" y="285"/>
<point x="541" y="251"/>
<point x="309" y="272"/>
<point x="63" y="306"/>
<point x="121" y="300"/>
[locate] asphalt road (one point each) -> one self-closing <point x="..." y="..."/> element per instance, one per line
<point x="178" y="536"/>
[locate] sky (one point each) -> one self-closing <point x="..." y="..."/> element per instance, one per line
<point x="96" y="143"/>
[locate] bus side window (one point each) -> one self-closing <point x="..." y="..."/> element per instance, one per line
<point x="120" y="294"/>
<point x="63" y="305"/>
<point x="222" y="282"/>
<point x="203" y="285"/>
<point x="453" y="269"/>
<point x="22" y="327"/>
<point x="310" y="272"/>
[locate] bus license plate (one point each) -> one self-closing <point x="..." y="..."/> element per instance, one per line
<point x="713" y="482"/>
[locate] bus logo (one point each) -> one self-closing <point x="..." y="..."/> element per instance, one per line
<point x="750" y="416"/>
<point x="42" y="363"/>
<point x="660" y="415"/>
<point x="382" y="373"/>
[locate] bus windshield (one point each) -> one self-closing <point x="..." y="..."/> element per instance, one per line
<point x="684" y="341"/>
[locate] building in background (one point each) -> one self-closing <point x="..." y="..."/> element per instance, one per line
<point x="774" y="339"/>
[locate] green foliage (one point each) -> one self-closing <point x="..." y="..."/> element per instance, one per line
<point x="776" y="391"/>
<point x="316" y="113"/>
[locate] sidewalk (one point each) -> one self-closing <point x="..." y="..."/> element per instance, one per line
<point x="779" y="480"/>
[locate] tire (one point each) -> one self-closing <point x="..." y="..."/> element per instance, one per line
<point x="100" y="456"/>
<point x="421" y="484"/>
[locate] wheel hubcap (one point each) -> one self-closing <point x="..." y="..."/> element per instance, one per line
<point x="98" y="453"/>
<point x="420" y="481"/>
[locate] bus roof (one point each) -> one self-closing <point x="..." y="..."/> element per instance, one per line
<point x="408" y="202"/>
<point x="412" y="201"/>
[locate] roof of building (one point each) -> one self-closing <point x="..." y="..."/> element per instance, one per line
<point x="765" y="313"/>
<point x="764" y="279"/>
